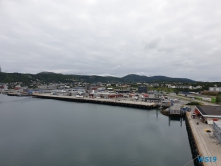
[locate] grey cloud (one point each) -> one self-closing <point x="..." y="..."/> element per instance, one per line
<point x="172" y="38"/>
<point x="152" y="44"/>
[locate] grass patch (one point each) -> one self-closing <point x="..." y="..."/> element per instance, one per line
<point x="194" y="103"/>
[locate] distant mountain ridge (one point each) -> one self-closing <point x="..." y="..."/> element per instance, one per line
<point x="57" y="77"/>
<point x="138" y="78"/>
<point x="47" y="72"/>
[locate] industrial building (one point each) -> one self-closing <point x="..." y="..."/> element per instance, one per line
<point x="142" y="89"/>
<point x="209" y="113"/>
<point x="123" y="91"/>
<point x="105" y="95"/>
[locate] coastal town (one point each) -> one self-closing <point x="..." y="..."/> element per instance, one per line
<point x="203" y="115"/>
<point x="113" y="89"/>
<point x="110" y="83"/>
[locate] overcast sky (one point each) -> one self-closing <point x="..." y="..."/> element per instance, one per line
<point x="175" y="38"/>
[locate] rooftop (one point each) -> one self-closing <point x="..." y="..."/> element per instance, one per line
<point x="210" y="110"/>
<point x="175" y="107"/>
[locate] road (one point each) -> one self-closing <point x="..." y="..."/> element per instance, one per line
<point x="188" y="99"/>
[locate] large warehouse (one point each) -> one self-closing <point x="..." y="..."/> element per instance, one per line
<point x="209" y="113"/>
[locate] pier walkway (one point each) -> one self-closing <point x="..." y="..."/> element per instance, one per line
<point x="117" y="101"/>
<point x="207" y="146"/>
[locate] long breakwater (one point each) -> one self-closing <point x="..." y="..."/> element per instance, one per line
<point x="113" y="102"/>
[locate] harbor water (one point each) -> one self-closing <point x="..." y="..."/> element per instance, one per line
<point x="49" y="132"/>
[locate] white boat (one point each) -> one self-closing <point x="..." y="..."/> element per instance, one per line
<point x="166" y="103"/>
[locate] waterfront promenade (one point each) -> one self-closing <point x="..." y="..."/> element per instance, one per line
<point x="206" y="144"/>
<point x="114" y="101"/>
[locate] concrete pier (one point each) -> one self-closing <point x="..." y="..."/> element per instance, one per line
<point x="114" y="102"/>
<point x="202" y="143"/>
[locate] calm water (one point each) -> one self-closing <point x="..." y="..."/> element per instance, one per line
<point x="36" y="132"/>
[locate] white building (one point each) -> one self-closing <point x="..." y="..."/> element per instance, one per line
<point x="215" y="89"/>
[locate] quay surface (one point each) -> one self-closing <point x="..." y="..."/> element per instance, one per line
<point x="205" y="144"/>
<point x="116" y="102"/>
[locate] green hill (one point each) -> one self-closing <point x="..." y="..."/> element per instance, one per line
<point x="138" y="78"/>
<point x="55" y="77"/>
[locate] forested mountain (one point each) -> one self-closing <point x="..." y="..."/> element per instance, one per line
<point x="55" y="77"/>
<point x="138" y="78"/>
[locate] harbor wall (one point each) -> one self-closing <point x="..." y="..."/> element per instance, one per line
<point x="97" y="101"/>
<point x="192" y="141"/>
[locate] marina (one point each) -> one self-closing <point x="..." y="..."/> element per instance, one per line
<point x="54" y="132"/>
<point x="202" y="143"/>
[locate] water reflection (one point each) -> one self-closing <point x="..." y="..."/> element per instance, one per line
<point x="175" y="118"/>
<point x="157" y="114"/>
<point x="170" y="118"/>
